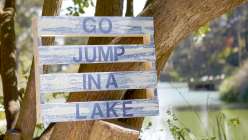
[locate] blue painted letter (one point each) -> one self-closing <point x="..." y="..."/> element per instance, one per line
<point x="78" y="113"/>
<point x="107" y="55"/>
<point x="126" y="108"/>
<point x="79" y="55"/>
<point x="93" y="27"/>
<point x="109" y="23"/>
<point x="96" y="81"/>
<point x="111" y="109"/>
<point x="93" y="54"/>
<point x="118" y="53"/>
<point x="97" y="111"/>
<point x="111" y="81"/>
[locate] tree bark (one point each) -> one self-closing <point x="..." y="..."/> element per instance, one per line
<point x="174" y="20"/>
<point x="27" y="118"/>
<point x="8" y="63"/>
<point x="47" y="133"/>
<point x="10" y="135"/>
<point x="148" y="2"/>
<point x="108" y="131"/>
<point x="103" y="8"/>
<point x="129" y="10"/>
<point x="106" y="8"/>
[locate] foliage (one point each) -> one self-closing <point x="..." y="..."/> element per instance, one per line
<point x="39" y="128"/>
<point x="217" y="48"/>
<point x="79" y="7"/>
<point x="235" y="88"/>
<point x="227" y="91"/>
<point x="175" y="76"/>
<point x="224" y="124"/>
<point x="180" y="132"/>
<point x="203" y="30"/>
<point x="25" y="11"/>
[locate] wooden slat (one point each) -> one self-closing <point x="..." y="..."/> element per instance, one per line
<point x="98" y="81"/>
<point x="95" y="26"/>
<point x="96" y="54"/>
<point x="72" y="82"/>
<point x="37" y="67"/>
<point x="78" y="111"/>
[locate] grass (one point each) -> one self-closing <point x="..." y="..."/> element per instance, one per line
<point x="221" y="125"/>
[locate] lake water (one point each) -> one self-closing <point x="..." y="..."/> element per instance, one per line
<point x="195" y="110"/>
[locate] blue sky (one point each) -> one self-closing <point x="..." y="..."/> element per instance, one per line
<point x="138" y="6"/>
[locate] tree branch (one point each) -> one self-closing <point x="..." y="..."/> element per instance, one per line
<point x="27" y="118"/>
<point x="8" y="63"/>
<point x="129" y="10"/>
<point x="174" y="20"/>
<point x="108" y="131"/>
<point x="70" y="129"/>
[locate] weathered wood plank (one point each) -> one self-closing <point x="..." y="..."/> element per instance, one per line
<point x="79" y="111"/>
<point x="95" y="26"/>
<point x="72" y="82"/>
<point x="37" y="67"/>
<point x="98" y="81"/>
<point x="96" y="54"/>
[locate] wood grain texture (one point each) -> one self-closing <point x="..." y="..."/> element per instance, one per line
<point x="27" y="117"/>
<point x="8" y="63"/>
<point x="95" y="26"/>
<point x="72" y="82"/>
<point x="79" y="111"/>
<point x="174" y="21"/>
<point x="140" y="94"/>
<point x="12" y="135"/>
<point x="96" y="54"/>
<point x="36" y="67"/>
<point x="98" y="81"/>
<point x="109" y="131"/>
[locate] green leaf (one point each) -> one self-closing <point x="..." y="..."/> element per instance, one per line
<point x="203" y="30"/>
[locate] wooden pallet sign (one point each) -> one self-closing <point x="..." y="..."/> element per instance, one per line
<point x="93" y="54"/>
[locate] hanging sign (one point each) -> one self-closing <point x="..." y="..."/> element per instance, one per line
<point x="92" y="54"/>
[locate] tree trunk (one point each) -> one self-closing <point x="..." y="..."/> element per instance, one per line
<point x="8" y="63"/>
<point x="27" y="118"/>
<point x="106" y="8"/>
<point x="129" y="10"/>
<point x="10" y="135"/>
<point x="108" y="131"/>
<point x="103" y="8"/>
<point x="174" y="20"/>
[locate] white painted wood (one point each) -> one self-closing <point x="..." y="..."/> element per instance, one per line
<point x="95" y="54"/>
<point x="37" y="68"/>
<point x="79" y="111"/>
<point x="95" y="26"/>
<point x="72" y="82"/>
<point x="98" y="81"/>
